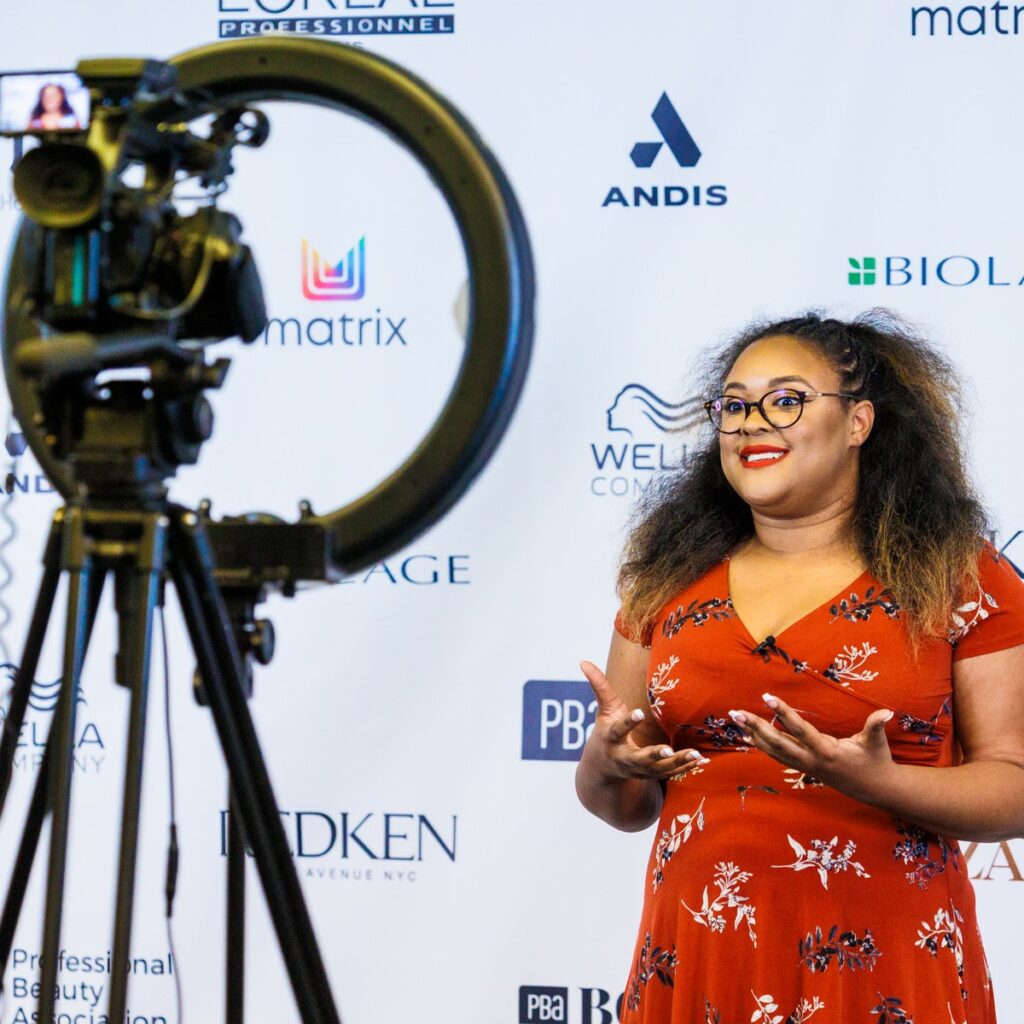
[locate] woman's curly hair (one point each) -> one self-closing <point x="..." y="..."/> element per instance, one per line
<point x="918" y="523"/>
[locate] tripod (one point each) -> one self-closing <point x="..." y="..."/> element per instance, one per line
<point x="129" y="530"/>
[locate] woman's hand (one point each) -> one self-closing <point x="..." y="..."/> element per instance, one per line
<point x="859" y="766"/>
<point x="612" y="749"/>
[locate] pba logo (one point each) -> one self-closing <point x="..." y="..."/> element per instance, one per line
<point x="344" y="281"/>
<point x="370" y="846"/>
<point x="550" y="1004"/>
<point x="347" y="18"/>
<point x="88" y="749"/>
<point x="957" y="271"/>
<point x="676" y="138"/>
<point x="648" y="436"/>
<point x="558" y="716"/>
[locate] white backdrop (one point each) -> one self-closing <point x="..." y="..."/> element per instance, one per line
<point x="446" y="872"/>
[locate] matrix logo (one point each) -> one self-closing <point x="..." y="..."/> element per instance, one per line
<point x="968" y="20"/>
<point x="676" y="137"/>
<point x="352" y="18"/>
<point x="344" y="281"/>
<point x="956" y="271"/>
<point x="89" y="749"/>
<point x="647" y="438"/>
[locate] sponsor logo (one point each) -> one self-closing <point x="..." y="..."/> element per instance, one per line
<point x="646" y="435"/>
<point x="680" y="144"/>
<point x="364" y="846"/>
<point x="420" y="570"/>
<point x="89" y="750"/>
<point x="550" y="1004"/>
<point x="995" y="19"/>
<point x="18" y="480"/>
<point x="956" y="271"/>
<point x="344" y="18"/>
<point x="343" y="281"/>
<point x="558" y="716"/>
<point x="993" y="862"/>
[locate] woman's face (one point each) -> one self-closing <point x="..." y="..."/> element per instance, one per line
<point x="52" y="99"/>
<point x="805" y="468"/>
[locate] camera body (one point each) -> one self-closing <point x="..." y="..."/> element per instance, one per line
<point x="117" y="252"/>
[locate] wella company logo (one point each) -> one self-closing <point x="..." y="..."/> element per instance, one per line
<point x="966" y="20"/>
<point x="647" y="437"/>
<point x="364" y="846"/>
<point x="344" y="281"/>
<point x="351" y="18"/>
<point x="677" y="140"/>
<point x="89" y="749"/>
<point x="956" y="271"/>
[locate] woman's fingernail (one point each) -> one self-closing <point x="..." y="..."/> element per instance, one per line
<point x="770" y="700"/>
<point x="692" y="755"/>
<point x="737" y="716"/>
<point x="666" y="751"/>
<point x="704" y="760"/>
<point x="636" y="716"/>
<point x="746" y="739"/>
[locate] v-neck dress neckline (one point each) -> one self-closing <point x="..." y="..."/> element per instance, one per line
<point x="842" y="592"/>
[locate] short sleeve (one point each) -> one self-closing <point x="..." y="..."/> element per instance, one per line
<point x="993" y="619"/>
<point x="644" y="639"/>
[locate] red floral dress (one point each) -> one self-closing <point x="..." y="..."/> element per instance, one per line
<point x="770" y="897"/>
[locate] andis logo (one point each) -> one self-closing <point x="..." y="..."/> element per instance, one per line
<point x="957" y="271"/>
<point x="648" y="432"/>
<point x="680" y="143"/>
<point x="22" y="482"/>
<point x="339" y="282"/>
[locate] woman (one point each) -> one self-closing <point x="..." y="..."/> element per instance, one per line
<point x="816" y="687"/>
<point x="52" y="111"/>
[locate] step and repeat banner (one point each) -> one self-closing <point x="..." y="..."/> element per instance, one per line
<point x="684" y="168"/>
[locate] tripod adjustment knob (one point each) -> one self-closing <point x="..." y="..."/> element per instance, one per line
<point x="198" y="420"/>
<point x="262" y="640"/>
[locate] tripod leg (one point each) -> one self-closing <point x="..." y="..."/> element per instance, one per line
<point x="15" y="898"/>
<point x="26" y="672"/>
<point x="137" y="590"/>
<point x="76" y="559"/>
<point x="235" y="958"/>
<point x="222" y="672"/>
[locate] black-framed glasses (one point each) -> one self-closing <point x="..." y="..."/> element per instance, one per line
<point x="780" y="408"/>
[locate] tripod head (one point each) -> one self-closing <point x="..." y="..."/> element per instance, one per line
<point x="113" y="293"/>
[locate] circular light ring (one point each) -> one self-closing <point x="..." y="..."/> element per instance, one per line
<point x="501" y="283"/>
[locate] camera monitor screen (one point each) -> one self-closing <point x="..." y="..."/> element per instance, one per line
<point x="38" y="102"/>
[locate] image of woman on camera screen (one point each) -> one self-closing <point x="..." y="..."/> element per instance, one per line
<point x="53" y="112"/>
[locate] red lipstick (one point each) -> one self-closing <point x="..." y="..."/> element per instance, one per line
<point x="758" y="456"/>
